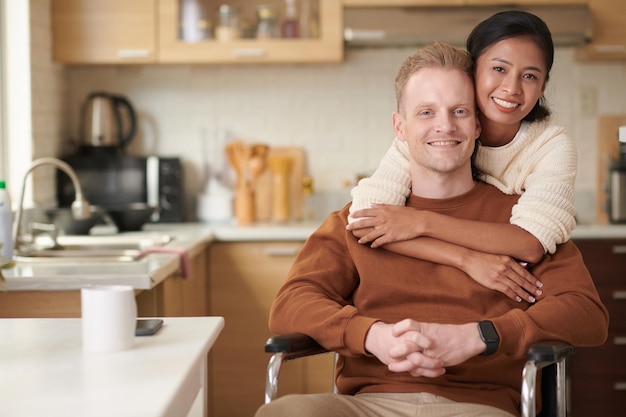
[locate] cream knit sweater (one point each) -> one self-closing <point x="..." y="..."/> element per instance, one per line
<point x="539" y="164"/>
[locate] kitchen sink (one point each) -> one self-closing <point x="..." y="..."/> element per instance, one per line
<point x="114" y="248"/>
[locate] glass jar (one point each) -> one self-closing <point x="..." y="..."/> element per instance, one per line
<point x="228" y="23"/>
<point x="267" y="26"/>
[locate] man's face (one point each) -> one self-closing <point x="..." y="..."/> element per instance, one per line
<point x="438" y="121"/>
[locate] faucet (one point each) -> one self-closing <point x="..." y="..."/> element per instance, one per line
<point x="80" y="206"/>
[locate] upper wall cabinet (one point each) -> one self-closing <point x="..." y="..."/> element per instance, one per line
<point x="609" y="33"/>
<point x="100" y="32"/>
<point x="418" y="3"/>
<point x="244" y="31"/>
<point x="196" y="31"/>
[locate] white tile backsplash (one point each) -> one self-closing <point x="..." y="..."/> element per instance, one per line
<point x="341" y="113"/>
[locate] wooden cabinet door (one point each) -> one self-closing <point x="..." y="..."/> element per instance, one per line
<point x="328" y="47"/>
<point x="244" y="278"/>
<point x="609" y="33"/>
<point x="524" y="2"/>
<point x="402" y="3"/>
<point x="103" y="32"/>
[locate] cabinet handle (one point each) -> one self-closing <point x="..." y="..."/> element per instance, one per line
<point x="281" y="251"/>
<point x="619" y="386"/>
<point x="619" y="295"/>
<point x="619" y="340"/>
<point x="133" y="53"/>
<point x="619" y="249"/>
<point x="248" y="52"/>
<point x="607" y="48"/>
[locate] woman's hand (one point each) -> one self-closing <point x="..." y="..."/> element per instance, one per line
<point x="504" y="274"/>
<point x="384" y="224"/>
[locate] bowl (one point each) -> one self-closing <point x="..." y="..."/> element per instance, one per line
<point x="64" y="220"/>
<point x="130" y="217"/>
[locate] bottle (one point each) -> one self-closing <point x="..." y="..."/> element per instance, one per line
<point x="6" y="223"/>
<point x="290" y="24"/>
<point x="266" y="26"/>
<point x="228" y="28"/>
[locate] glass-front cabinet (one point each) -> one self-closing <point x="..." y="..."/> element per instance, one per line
<point x="196" y="31"/>
<point x="272" y="31"/>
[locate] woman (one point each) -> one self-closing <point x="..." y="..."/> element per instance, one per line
<point x="519" y="151"/>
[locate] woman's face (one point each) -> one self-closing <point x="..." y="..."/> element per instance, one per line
<point x="510" y="78"/>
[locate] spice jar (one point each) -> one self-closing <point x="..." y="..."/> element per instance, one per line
<point x="266" y="22"/>
<point x="228" y="23"/>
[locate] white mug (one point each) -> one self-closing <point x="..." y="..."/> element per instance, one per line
<point x="109" y="317"/>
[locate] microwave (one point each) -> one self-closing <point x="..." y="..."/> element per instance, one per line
<point x="113" y="180"/>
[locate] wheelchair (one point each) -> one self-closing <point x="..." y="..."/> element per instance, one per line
<point x="549" y="358"/>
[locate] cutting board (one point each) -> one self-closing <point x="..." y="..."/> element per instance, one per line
<point x="608" y="149"/>
<point x="263" y="189"/>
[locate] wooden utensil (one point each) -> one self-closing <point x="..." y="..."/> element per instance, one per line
<point x="280" y="166"/>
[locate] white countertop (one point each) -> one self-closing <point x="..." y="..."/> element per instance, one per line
<point x="152" y="269"/>
<point x="46" y="373"/>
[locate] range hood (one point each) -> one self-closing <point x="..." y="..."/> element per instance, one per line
<point x="416" y="26"/>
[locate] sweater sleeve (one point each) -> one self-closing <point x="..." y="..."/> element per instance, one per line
<point x="390" y="183"/>
<point x="546" y="208"/>
<point x="570" y="309"/>
<point x="541" y="166"/>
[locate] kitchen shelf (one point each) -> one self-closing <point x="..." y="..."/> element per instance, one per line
<point x="147" y="31"/>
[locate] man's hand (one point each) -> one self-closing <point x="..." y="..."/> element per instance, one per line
<point x="452" y="344"/>
<point x="384" y="224"/>
<point x="403" y="353"/>
<point x="423" y="349"/>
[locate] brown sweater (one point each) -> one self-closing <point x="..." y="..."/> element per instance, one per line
<point x="338" y="288"/>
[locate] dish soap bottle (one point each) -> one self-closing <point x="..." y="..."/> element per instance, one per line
<point x="6" y="223"/>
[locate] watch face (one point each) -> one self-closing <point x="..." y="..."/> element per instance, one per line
<point x="488" y="331"/>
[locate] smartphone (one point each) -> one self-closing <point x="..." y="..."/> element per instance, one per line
<point x="148" y="327"/>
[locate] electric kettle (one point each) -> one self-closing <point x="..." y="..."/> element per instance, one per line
<point x="108" y="120"/>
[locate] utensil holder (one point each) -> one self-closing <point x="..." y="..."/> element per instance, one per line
<point x="244" y="204"/>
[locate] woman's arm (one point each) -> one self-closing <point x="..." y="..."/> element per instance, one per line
<point x="497" y="272"/>
<point x="386" y="224"/>
<point x="389" y="184"/>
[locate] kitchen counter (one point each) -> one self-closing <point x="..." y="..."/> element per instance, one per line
<point x="154" y="268"/>
<point x="46" y="372"/>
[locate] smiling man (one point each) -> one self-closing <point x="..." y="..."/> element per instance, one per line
<point x="417" y="337"/>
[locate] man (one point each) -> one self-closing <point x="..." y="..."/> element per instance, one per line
<point x="408" y="330"/>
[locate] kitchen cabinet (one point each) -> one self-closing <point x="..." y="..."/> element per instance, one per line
<point x="419" y="3"/>
<point x="147" y="31"/>
<point x="598" y="375"/>
<point x="103" y="32"/>
<point x="179" y="296"/>
<point x="175" y="296"/>
<point x="609" y="37"/>
<point x="327" y="47"/>
<point x="244" y="278"/>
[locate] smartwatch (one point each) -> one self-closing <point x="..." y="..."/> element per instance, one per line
<point x="489" y="335"/>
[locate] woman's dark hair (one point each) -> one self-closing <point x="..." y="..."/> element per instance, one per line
<point x="514" y="24"/>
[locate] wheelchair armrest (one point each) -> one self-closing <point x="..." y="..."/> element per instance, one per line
<point x="547" y="353"/>
<point x="294" y="345"/>
<point x="284" y="348"/>
<point x="549" y="357"/>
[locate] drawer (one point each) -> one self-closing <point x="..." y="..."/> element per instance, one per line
<point x="605" y="259"/>
<point x="609" y="358"/>
<point x="597" y="395"/>
<point x="614" y="298"/>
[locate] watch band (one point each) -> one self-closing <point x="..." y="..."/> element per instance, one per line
<point x="489" y="335"/>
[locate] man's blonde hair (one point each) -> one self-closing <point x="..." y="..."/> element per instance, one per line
<point x="435" y="55"/>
